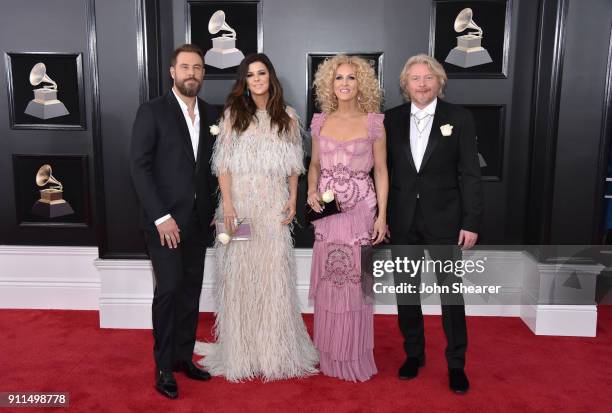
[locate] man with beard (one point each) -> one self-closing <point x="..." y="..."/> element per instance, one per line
<point x="170" y="166"/>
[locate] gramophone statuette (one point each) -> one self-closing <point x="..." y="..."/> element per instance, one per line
<point x="224" y="53"/>
<point x="45" y="104"/>
<point x="469" y="51"/>
<point x="51" y="203"/>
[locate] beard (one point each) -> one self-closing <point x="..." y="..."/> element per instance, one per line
<point x="189" y="90"/>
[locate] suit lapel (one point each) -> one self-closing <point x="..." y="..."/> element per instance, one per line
<point x="435" y="134"/>
<point x="182" y="124"/>
<point x="405" y="135"/>
<point x="203" y="134"/>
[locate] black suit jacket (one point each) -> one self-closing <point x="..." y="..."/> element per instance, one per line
<point x="448" y="161"/>
<point x="167" y="177"/>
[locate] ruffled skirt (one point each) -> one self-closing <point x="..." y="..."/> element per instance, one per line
<point x="343" y="312"/>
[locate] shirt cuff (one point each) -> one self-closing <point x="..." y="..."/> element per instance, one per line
<point x="162" y="219"/>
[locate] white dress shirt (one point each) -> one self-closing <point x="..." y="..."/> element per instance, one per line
<point x="194" y="127"/>
<point x="194" y="134"/>
<point x="419" y="139"/>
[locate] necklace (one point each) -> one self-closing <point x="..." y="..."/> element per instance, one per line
<point x="417" y="121"/>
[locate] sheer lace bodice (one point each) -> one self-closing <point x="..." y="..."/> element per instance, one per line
<point x="346" y="165"/>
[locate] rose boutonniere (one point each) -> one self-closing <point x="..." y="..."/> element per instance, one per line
<point x="214" y="130"/>
<point x="225" y="237"/>
<point x="327" y="196"/>
<point x="446" y="130"/>
<point x="328" y="206"/>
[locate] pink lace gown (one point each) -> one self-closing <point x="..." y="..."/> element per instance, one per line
<point x="343" y="316"/>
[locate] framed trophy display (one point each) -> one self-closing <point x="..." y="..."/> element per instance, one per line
<point x="471" y="38"/>
<point x="375" y="59"/>
<point x="51" y="190"/>
<point x="227" y="31"/>
<point x="45" y="90"/>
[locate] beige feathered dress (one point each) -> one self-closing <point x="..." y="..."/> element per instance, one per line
<point x="259" y="329"/>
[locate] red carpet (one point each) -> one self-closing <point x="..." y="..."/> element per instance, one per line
<point x="112" y="370"/>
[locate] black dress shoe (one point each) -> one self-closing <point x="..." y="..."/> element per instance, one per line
<point x="192" y="371"/>
<point x="410" y="368"/>
<point x="458" y="381"/>
<point x="166" y="384"/>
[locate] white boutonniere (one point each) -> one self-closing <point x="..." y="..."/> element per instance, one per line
<point x="446" y="130"/>
<point x="214" y="130"/>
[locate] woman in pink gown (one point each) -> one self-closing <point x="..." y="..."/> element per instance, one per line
<point x="348" y="140"/>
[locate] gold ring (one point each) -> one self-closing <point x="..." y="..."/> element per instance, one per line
<point x="167" y="236"/>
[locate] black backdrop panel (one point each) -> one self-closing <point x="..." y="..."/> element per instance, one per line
<point x="315" y="59"/>
<point x="62" y="44"/>
<point x="490" y="128"/>
<point x="303" y="233"/>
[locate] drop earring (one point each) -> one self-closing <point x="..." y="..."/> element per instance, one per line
<point x="247" y="93"/>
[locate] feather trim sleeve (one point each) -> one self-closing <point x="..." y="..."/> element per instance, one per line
<point x="295" y="156"/>
<point x="259" y="149"/>
<point x="223" y="147"/>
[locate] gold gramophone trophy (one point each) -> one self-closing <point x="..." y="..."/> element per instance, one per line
<point x="469" y="51"/>
<point x="51" y="203"/>
<point x="224" y="53"/>
<point x="45" y="104"/>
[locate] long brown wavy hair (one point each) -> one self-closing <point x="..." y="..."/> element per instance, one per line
<point x="241" y="106"/>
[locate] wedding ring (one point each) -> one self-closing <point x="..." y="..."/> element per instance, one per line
<point x="167" y="236"/>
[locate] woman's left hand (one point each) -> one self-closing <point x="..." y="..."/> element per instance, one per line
<point x="379" y="231"/>
<point x="289" y="210"/>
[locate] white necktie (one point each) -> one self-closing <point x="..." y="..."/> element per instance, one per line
<point x="421" y="119"/>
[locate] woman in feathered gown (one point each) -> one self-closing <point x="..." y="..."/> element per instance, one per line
<point x="348" y="140"/>
<point x="258" y="156"/>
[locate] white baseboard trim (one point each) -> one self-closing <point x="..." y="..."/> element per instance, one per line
<point x="543" y="284"/>
<point x="49" y="277"/>
<point x="127" y="285"/>
<point x="74" y="278"/>
<point x="561" y="320"/>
